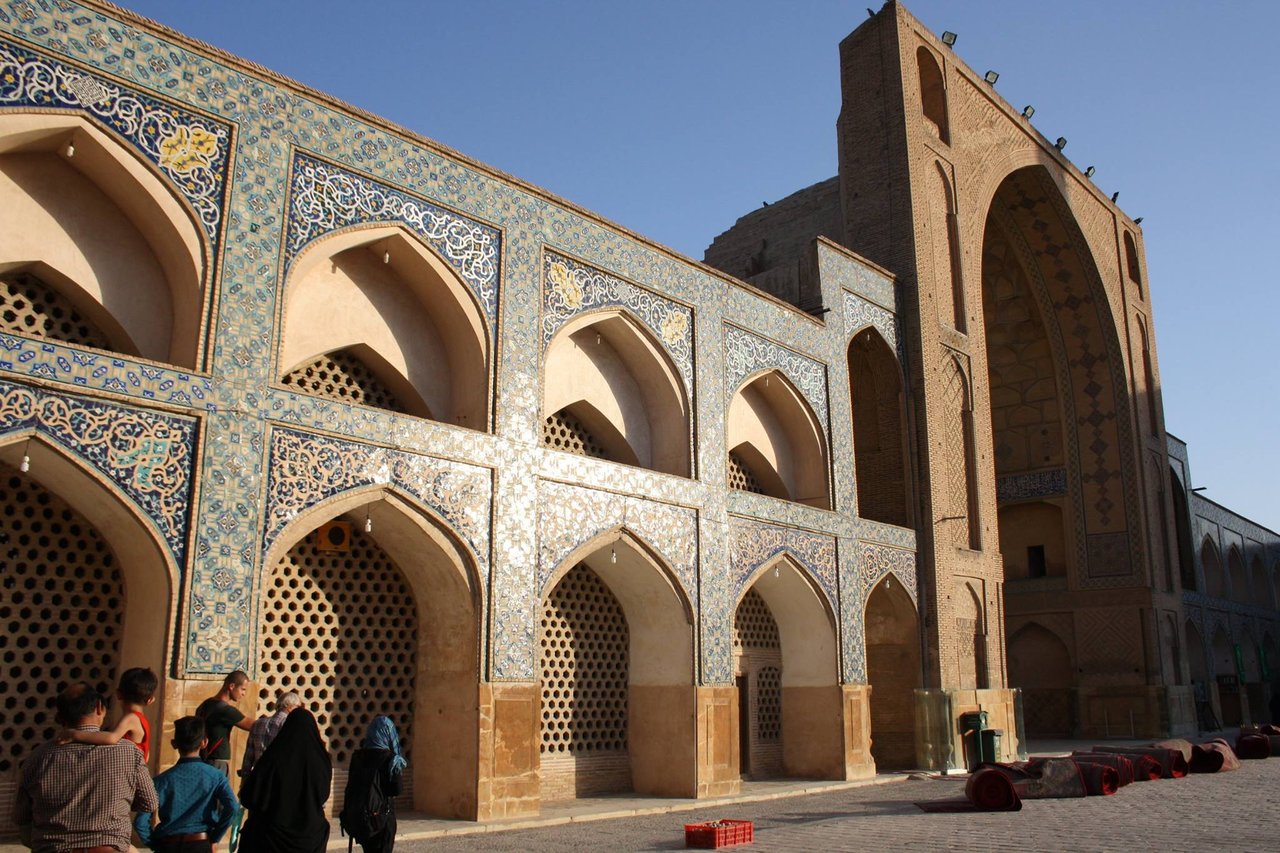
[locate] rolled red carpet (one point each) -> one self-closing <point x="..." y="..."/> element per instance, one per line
<point x="1100" y="780"/>
<point x="1253" y="746"/>
<point x="1172" y="764"/>
<point x="1122" y="763"/>
<point x="990" y="790"/>
<point x="1214" y="756"/>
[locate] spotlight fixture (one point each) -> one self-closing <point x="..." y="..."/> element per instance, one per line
<point x="1060" y="143"/>
<point x="1138" y="221"/>
<point x="1028" y="111"/>
<point x="949" y="38"/>
<point x="613" y="556"/>
<point x="870" y="14"/>
<point x="368" y="522"/>
<point x="991" y="77"/>
<point x="386" y="257"/>
<point x="71" y="149"/>
<point x="1089" y="172"/>
<point x="1115" y="195"/>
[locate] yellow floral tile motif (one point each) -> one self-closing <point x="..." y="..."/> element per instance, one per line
<point x="565" y="287"/>
<point x="188" y="148"/>
<point x="674" y="328"/>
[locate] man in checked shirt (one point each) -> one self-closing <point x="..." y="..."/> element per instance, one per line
<point x="78" y="797"/>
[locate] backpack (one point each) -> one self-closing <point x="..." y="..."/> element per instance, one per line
<point x="366" y="807"/>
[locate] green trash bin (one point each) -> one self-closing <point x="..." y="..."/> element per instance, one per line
<point x="971" y="725"/>
<point x="991" y="744"/>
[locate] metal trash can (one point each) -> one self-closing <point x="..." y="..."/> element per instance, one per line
<point x="991" y="744"/>
<point x="971" y="725"/>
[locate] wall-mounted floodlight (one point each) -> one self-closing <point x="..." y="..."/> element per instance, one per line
<point x="1060" y="143"/>
<point x="1089" y="172"/>
<point x="949" y="38"/>
<point x="1115" y="195"/>
<point x="1138" y="221"/>
<point x="1028" y="111"/>
<point x="991" y="77"/>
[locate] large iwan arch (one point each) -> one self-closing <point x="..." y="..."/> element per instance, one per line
<point x="373" y="316"/>
<point x="86" y="219"/>
<point x="610" y="390"/>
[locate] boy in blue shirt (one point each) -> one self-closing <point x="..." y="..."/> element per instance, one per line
<point x="196" y="802"/>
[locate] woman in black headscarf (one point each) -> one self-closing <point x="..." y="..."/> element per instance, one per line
<point x="286" y="792"/>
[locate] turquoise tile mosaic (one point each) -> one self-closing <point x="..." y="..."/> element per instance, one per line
<point x="270" y="168"/>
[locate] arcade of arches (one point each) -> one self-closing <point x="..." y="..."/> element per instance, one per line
<point x="385" y="426"/>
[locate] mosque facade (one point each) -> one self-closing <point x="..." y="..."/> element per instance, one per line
<point x="289" y="389"/>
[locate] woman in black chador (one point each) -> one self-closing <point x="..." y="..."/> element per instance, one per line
<point x="286" y="792"/>
<point x="373" y="779"/>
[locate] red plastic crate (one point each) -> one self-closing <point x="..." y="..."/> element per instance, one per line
<point x="718" y="833"/>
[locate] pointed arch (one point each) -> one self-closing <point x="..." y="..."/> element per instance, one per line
<point x="1196" y="660"/>
<point x="1182" y="528"/>
<point x="879" y="429"/>
<point x="379" y="289"/>
<point x="773" y="429"/>
<point x="1259" y="588"/>
<point x="892" y="635"/>
<point x="1237" y="577"/>
<point x="609" y="366"/>
<point x="1131" y="265"/>
<point x="961" y="495"/>
<point x="1148" y="392"/>
<point x="806" y="623"/>
<point x="971" y="636"/>
<point x="1040" y="663"/>
<point x="933" y="94"/>
<point x="96" y="223"/>
<point x="1215" y="583"/>
<point x="947" y="270"/>
<point x="442" y="579"/>
<point x="656" y="754"/>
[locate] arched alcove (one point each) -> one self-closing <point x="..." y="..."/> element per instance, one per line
<point x="1033" y="540"/>
<point x="947" y="271"/>
<point x="1131" y="266"/>
<point x="1040" y="664"/>
<point x="808" y="677"/>
<point x="776" y="436"/>
<point x="616" y="625"/>
<point x="373" y="316"/>
<point x="1215" y="583"/>
<point x="1195" y="654"/>
<point x="1229" y="688"/>
<point x="1259" y="587"/>
<point x="933" y="94"/>
<point x="893" y="671"/>
<point x="87" y="220"/>
<point x="971" y="637"/>
<point x="387" y="624"/>
<point x="879" y="430"/>
<point x="1182" y="529"/>
<point x="1149" y="391"/>
<point x="87" y="592"/>
<point x="607" y="373"/>
<point x="959" y="522"/>
<point x="1171" y="650"/>
<point x="1237" y="576"/>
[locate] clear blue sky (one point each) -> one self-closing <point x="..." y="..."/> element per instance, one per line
<point x="674" y="117"/>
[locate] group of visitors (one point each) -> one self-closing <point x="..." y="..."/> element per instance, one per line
<point x="88" y="789"/>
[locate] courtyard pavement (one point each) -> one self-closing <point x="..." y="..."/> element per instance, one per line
<point x="1225" y="811"/>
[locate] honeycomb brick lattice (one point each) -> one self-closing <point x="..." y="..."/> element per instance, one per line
<point x="343" y="377"/>
<point x="340" y="628"/>
<point x="584" y="663"/>
<point x="769" y="703"/>
<point x="31" y="307"/>
<point x="61" y="612"/>
<point x="740" y="476"/>
<point x="754" y="626"/>
<point x="562" y="431"/>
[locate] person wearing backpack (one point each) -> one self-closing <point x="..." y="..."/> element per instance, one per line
<point x="373" y="779"/>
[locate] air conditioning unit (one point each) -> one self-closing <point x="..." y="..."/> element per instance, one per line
<point x="334" y="536"/>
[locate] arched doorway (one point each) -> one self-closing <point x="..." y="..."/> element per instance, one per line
<point x="368" y="606"/>
<point x="893" y="671"/>
<point x="785" y="663"/>
<point x="86" y="591"/>
<point x="1040" y="663"/>
<point x="616" y="662"/>
<point x="879" y="434"/>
